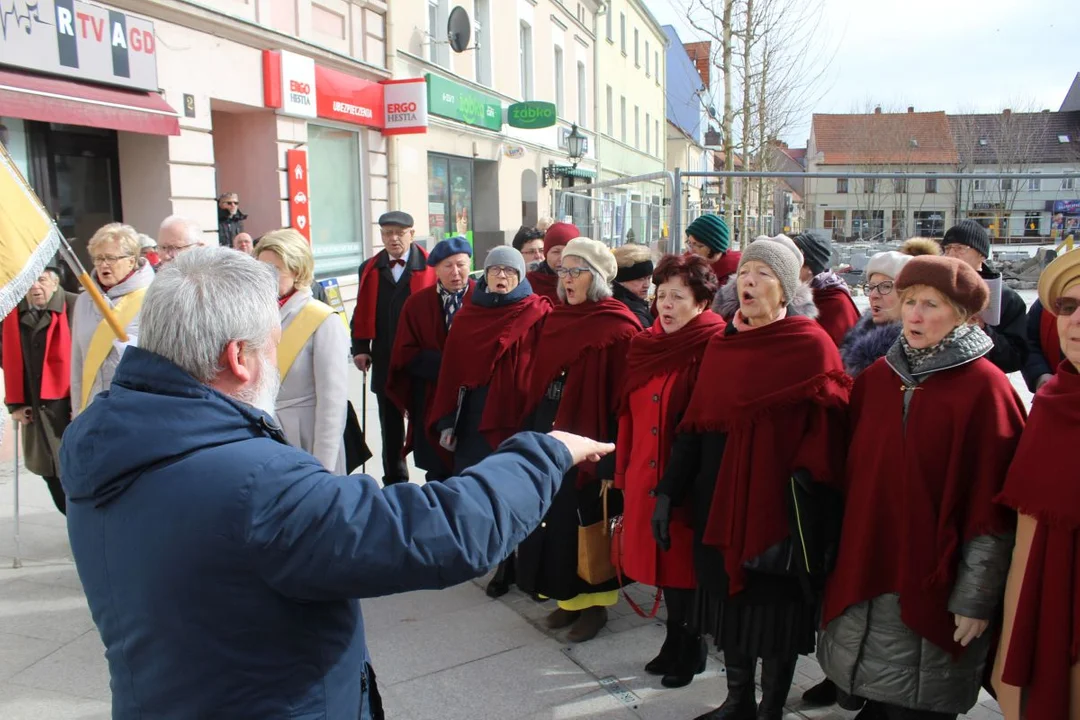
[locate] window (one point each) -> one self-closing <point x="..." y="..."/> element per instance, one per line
<point x="481" y="52"/>
<point x="622" y="118"/>
<point x="931" y="186"/>
<point x="1034" y="184"/>
<point x="841" y="185"/>
<point x="978" y="185"/>
<point x="1068" y="183"/>
<point x="900" y="185"/>
<point x="622" y="32"/>
<point x="559" y="109"/>
<point x="1006" y="184"/>
<point x="438" y="53"/>
<point x="637" y="62"/>
<point x="1063" y="139"/>
<point x="637" y="127"/>
<point x="656" y="128"/>
<point x="869" y="186"/>
<point x="526" y="62"/>
<point x="334" y="158"/>
<point x="929" y="224"/>
<point x="609" y="20"/>
<point x="648" y="132"/>
<point x="610" y="112"/>
<point x="1032" y="223"/>
<point x="656" y="64"/>
<point x="648" y="67"/>
<point x="582" y="96"/>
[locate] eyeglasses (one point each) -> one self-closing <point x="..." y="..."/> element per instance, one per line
<point x="108" y="259"/>
<point x="695" y="245"/>
<point x="575" y="272"/>
<point x="1066" y="306"/>
<point x="396" y="233"/>
<point x="954" y="249"/>
<point x="502" y="271"/>
<point x="230" y="202"/>
<point x="882" y="288"/>
<point x="173" y="250"/>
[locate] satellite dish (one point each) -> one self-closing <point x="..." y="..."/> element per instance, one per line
<point x="459" y="29"/>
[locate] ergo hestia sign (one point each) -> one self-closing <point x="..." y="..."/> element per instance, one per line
<point x="79" y="40"/>
<point x="458" y="102"/>
<point x="531" y="115"/>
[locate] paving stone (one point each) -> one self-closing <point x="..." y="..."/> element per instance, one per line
<point x="78" y="669"/>
<point x="47" y="612"/>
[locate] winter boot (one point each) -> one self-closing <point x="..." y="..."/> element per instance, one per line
<point x="689" y="661"/>
<point x="741" y="703"/>
<point x="661" y="664"/>
<point x="588" y="624"/>
<point x="503" y="579"/>
<point x="776" y="676"/>
<point x="559" y="618"/>
<point x="821" y="695"/>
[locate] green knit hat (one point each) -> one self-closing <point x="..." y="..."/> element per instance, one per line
<point x="711" y="230"/>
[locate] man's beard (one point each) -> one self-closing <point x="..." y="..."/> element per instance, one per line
<point x="263" y="394"/>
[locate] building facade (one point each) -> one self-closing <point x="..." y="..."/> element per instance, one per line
<point x="686" y="98"/>
<point x="156" y="108"/>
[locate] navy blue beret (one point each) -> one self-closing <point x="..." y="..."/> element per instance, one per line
<point x="446" y="248"/>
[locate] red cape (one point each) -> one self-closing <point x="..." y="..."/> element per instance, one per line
<point x="367" y="297"/>
<point x="837" y="312"/>
<point x="420" y="327"/>
<point x="1045" y="641"/>
<point x="778" y="392"/>
<point x="545" y="284"/>
<point x="56" y="371"/>
<point x="726" y="266"/>
<point x="590" y="341"/>
<point x="491" y="346"/>
<point x="916" y="492"/>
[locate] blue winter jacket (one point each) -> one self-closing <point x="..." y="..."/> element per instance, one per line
<point x="222" y="566"/>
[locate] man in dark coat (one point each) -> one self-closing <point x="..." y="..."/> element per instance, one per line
<point x="37" y="374"/>
<point x="418" y="345"/>
<point x="969" y="241"/>
<point x="230" y="219"/>
<point x="387" y="279"/>
<point x="223" y="566"/>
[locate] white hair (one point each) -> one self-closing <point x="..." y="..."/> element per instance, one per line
<point x="599" y="289"/>
<point x="202" y="301"/>
<point x="185" y="228"/>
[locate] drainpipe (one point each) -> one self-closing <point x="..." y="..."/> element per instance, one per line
<point x="392" y="140"/>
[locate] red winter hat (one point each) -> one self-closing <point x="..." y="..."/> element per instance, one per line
<point x="953" y="278"/>
<point x="558" y="234"/>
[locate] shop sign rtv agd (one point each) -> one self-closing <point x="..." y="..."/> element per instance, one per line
<point x="79" y="40"/>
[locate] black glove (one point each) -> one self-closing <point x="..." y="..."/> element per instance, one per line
<point x="661" y="522"/>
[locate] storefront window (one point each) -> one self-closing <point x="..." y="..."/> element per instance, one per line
<point x="930" y="224"/>
<point x="450" y="196"/>
<point x="337" y="222"/>
<point x="13" y="136"/>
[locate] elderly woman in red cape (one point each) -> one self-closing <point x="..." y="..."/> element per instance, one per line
<point x="577" y="380"/>
<point x="924" y="549"/>
<point x="484" y="379"/>
<point x="765" y="422"/>
<point x="663" y="366"/>
<point x="1037" y="675"/>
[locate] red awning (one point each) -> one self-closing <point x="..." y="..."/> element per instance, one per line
<point x="49" y="99"/>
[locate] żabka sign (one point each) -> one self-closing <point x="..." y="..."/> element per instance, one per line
<point x="531" y="115"/>
<point x="298" y="86"/>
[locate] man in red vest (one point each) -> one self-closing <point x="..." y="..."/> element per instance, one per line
<point x="37" y="375"/>
<point x="387" y="279"/>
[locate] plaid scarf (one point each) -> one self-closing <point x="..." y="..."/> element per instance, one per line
<point x="451" y="302"/>
<point x="917" y="357"/>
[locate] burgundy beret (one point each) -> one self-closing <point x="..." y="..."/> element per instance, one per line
<point x="559" y="234"/>
<point x="953" y="278"/>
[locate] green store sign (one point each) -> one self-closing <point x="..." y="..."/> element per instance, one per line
<point x="531" y="115"/>
<point x="451" y="100"/>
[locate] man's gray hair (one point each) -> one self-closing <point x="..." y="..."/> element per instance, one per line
<point x="202" y="301"/>
<point x="599" y="289"/>
<point x="186" y="228"/>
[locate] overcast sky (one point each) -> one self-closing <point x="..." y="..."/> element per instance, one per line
<point x="951" y="55"/>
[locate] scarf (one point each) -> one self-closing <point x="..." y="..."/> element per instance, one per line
<point x="655" y="352"/>
<point x="545" y="282"/>
<point x="1049" y="340"/>
<point x="726" y="266"/>
<point x="56" y="369"/>
<point x="492" y="344"/>
<point x="589" y="341"/>
<point x="1042" y="483"/>
<point x="776" y="381"/>
<point x="367" y="297"/>
<point x="451" y="302"/>
<point x="918" y="357"/>
<point x="285" y="298"/>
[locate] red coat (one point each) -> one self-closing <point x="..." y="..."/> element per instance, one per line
<point x="644" y="429"/>
<point x="837" y="312"/>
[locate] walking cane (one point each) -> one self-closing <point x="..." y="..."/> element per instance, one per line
<point x="363" y="419"/>
<point x="18" y="547"/>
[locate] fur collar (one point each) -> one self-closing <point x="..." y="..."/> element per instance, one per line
<point x="866" y="342"/>
<point x="726" y="302"/>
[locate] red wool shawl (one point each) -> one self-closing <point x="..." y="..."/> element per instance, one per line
<point x="1049" y="339"/>
<point x="590" y="340"/>
<point x="545" y="284"/>
<point x="56" y="370"/>
<point x="367" y="297"/>
<point x="1042" y="483"/>
<point x="777" y="392"/>
<point x="837" y="312"/>
<point x="491" y="346"/>
<point x="726" y="266"/>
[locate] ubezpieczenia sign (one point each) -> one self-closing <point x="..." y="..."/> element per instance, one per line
<point x="531" y="115"/>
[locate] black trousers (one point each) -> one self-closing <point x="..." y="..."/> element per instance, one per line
<point x="392" y="424"/>
<point x="57" y="492"/>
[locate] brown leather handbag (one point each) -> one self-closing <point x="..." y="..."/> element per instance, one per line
<point x="594" y="547"/>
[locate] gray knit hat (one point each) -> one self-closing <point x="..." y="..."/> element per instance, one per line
<point x="778" y="256"/>
<point x="506" y="256"/>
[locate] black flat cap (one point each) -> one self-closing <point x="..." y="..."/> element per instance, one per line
<point x="396" y="217"/>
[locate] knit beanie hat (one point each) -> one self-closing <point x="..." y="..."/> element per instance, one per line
<point x="951" y="277"/>
<point x="506" y="256"/>
<point x="711" y="230"/>
<point x="816" y="250"/>
<point x="888" y="263"/>
<point x="970" y="233"/>
<point x="781" y="259"/>
<point x="558" y="234"/>
<point x="1061" y="275"/>
<point x="595" y="253"/>
<point x="789" y="244"/>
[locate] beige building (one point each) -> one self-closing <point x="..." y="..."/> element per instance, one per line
<point x="472" y="172"/>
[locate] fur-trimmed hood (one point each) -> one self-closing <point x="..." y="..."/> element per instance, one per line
<point x="726" y="302"/>
<point x="866" y="342"/>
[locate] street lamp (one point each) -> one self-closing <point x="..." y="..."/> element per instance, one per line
<point x="575" y="149"/>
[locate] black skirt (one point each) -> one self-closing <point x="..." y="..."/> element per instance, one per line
<point x="782" y="628"/>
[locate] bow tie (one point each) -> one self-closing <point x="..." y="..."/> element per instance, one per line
<point x="398" y="262"/>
